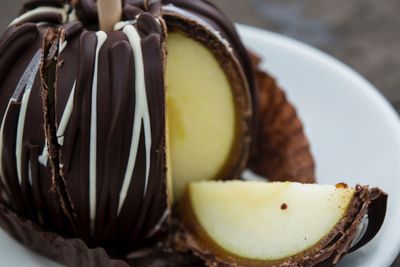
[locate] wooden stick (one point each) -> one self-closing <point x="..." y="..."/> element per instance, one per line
<point x="109" y="13"/>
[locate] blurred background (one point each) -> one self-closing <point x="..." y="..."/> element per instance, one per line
<point x="364" y="34"/>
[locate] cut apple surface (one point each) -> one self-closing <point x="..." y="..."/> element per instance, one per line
<point x="267" y="221"/>
<point x="256" y="223"/>
<point x="201" y="112"/>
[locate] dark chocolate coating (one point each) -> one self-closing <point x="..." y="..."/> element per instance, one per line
<point x="56" y="194"/>
<point x="34" y="199"/>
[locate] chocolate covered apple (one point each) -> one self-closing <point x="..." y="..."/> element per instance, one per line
<point x="100" y="129"/>
<point x="109" y="109"/>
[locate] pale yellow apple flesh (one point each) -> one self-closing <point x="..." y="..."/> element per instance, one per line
<point x="266" y="221"/>
<point x="201" y="113"/>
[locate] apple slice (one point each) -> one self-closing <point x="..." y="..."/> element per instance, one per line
<point x="272" y="224"/>
<point x="204" y="128"/>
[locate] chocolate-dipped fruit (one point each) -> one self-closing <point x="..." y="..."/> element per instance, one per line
<point x="278" y="224"/>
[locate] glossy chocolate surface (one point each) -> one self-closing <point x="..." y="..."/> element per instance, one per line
<point x="83" y="114"/>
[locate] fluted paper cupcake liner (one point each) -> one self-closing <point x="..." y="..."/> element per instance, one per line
<point x="281" y="149"/>
<point x="70" y="252"/>
<point x="74" y="252"/>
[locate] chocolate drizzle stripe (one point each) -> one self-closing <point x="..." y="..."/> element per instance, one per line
<point x="62" y="46"/>
<point x="101" y="38"/>
<point x="24" y="105"/>
<point x="122" y="24"/>
<point x="159" y="224"/>
<point x="2" y="174"/>
<point x="20" y="133"/>
<point x="66" y="117"/>
<point x="44" y="157"/>
<point x="38" y="11"/>
<point x="33" y="178"/>
<point x="8" y="156"/>
<point x="142" y="116"/>
<point x="119" y="129"/>
<point x="72" y="16"/>
<point x="28" y="78"/>
<point x="25" y="83"/>
<point x="29" y="172"/>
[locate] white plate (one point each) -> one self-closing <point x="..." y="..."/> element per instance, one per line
<point x="354" y="133"/>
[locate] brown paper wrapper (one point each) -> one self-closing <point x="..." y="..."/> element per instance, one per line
<point x="75" y="253"/>
<point x="281" y="151"/>
<point x="70" y="252"/>
<point x="167" y="258"/>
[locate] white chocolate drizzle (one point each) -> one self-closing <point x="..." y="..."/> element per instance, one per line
<point x="24" y="87"/>
<point x="66" y="117"/>
<point x="22" y="114"/>
<point x="69" y="106"/>
<point x="160" y="223"/>
<point x="142" y="116"/>
<point x="63" y="11"/>
<point x="28" y="77"/>
<point x="62" y="45"/>
<point x="72" y="16"/>
<point x="101" y="38"/>
<point x="2" y="175"/>
<point x="122" y="24"/>
<point x="20" y="132"/>
<point x="29" y="172"/>
<point x="44" y="157"/>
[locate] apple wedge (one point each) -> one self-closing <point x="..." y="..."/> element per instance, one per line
<point x="204" y="127"/>
<point x="275" y="224"/>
